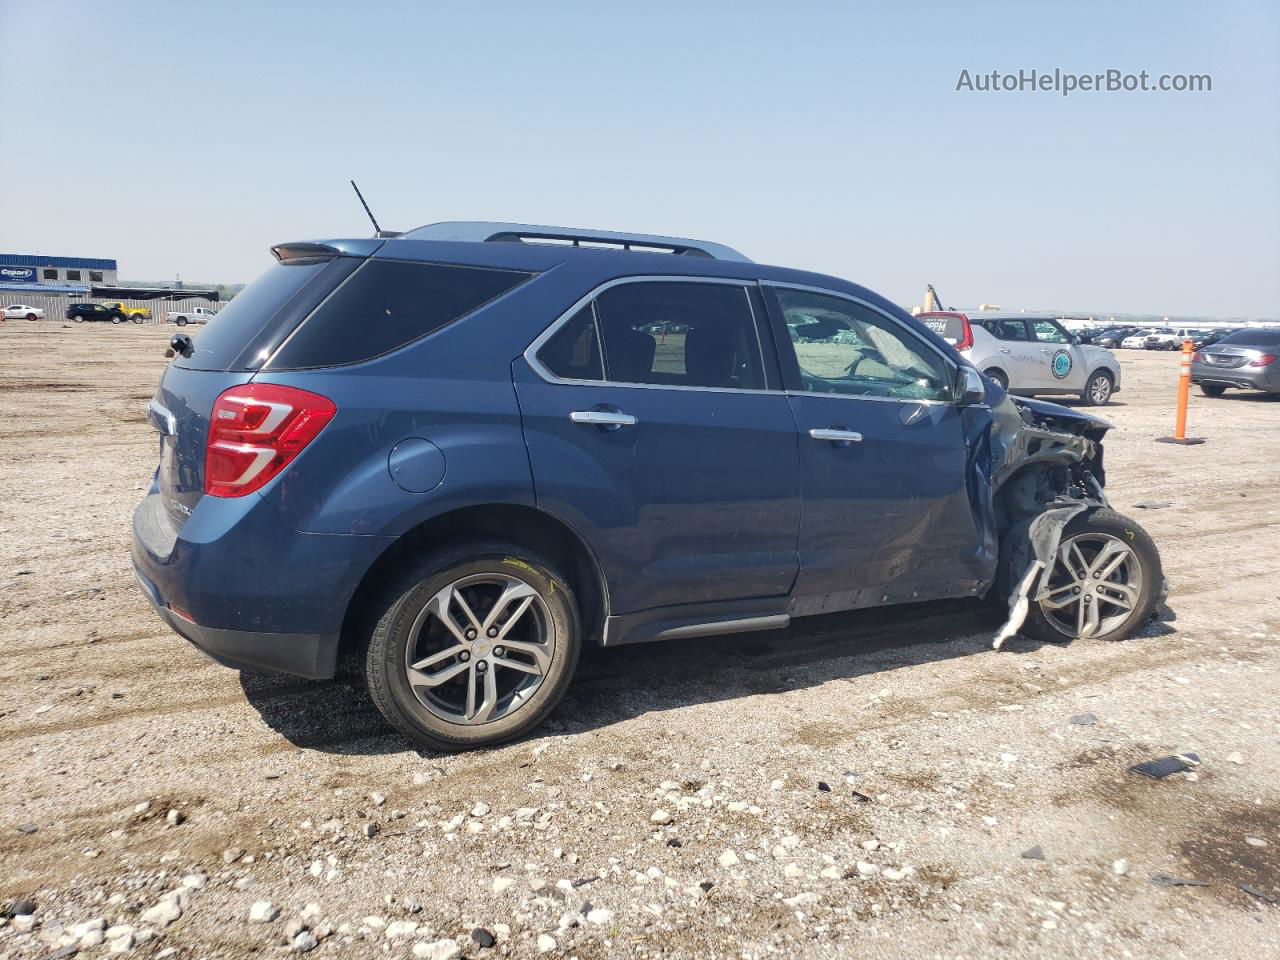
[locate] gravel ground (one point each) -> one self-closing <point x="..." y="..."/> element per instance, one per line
<point x="870" y="784"/>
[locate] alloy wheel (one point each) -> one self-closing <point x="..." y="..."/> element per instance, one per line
<point x="1100" y="390"/>
<point x="1095" y="586"/>
<point x="479" y="648"/>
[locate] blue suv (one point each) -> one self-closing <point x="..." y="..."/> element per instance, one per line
<point x="466" y="450"/>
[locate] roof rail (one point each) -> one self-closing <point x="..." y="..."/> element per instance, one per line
<point x="483" y="232"/>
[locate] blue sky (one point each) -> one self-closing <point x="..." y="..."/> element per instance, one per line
<point x="186" y="138"/>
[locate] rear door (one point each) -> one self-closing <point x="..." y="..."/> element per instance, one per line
<point x="657" y="429"/>
<point x="1016" y="352"/>
<point x="883" y="456"/>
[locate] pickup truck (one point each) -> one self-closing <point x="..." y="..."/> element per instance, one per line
<point x="194" y="315"/>
<point x="136" y="314"/>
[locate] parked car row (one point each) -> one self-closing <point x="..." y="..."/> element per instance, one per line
<point x="119" y="313"/>
<point x="1163" y="338"/>
<point x="116" y="312"/>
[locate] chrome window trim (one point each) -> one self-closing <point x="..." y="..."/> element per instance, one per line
<point x="531" y="352"/>
<point x="949" y="362"/>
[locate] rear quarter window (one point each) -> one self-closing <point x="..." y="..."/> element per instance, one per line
<point x="248" y="328"/>
<point x="387" y="304"/>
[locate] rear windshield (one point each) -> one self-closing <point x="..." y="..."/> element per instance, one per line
<point x="950" y="329"/>
<point x="1253" y="338"/>
<point x="247" y="329"/>
<point x="387" y="304"/>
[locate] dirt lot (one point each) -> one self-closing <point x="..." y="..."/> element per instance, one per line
<point x="857" y="785"/>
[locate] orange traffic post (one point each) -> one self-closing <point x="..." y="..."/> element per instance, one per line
<point x="1184" y="394"/>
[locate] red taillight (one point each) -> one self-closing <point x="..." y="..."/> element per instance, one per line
<point x="255" y="431"/>
<point x="966" y="335"/>
<point x="1196" y="356"/>
<point x="1265" y="360"/>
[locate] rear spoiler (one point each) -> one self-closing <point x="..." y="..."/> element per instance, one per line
<point x="313" y="251"/>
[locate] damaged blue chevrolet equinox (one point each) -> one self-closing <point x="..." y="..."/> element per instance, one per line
<point x="464" y="451"/>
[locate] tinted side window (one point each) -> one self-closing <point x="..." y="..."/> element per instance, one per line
<point x="1010" y="329"/>
<point x="386" y="304"/>
<point x="573" y="352"/>
<point x="844" y="347"/>
<point x="680" y="334"/>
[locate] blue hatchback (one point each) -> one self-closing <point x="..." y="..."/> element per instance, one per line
<point x="466" y="450"/>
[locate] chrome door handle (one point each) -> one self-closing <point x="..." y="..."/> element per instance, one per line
<point x="839" y="436"/>
<point x="1003" y="350"/>
<point x="603" y="418"/>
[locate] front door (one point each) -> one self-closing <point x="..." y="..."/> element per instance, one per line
<point x="1061" y="364"/>
<point x="883" y="459"/>
<point x="656" y="431"/>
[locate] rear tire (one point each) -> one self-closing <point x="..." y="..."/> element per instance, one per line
<point x="1097" y="392"/>
<point x="999" y="376"/>
<point x="1123" y="599"/>
<point x="181" y="321"/>
<point x="411" y="643"/>
<point x="1212" y="389"/>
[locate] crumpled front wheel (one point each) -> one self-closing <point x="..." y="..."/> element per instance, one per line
<point x="1104" y="584"/>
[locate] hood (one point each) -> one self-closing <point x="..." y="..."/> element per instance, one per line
<point x="1064" y="417"/>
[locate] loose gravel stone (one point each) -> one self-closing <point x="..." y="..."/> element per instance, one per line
<point x="546" y="943"/>
<point x="483" y="937"/>
<point x="303" y="942"/>
<point x="163" y="913"/>
<point x="399" y="929"/>
<point x="263" y="911"/>
<point x="437" y="950"/>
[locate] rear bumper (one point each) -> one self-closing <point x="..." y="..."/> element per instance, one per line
<point x="1249" y="378"/>
<point x="246" y="588"/>
<point x="309" y="655"/>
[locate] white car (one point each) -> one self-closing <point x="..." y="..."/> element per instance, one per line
<point x="194" y="315"/>
<point x="20" y="311"/>
<point x="1135" y="341"/>
<point x="1165" y="339"/>
<point x="1031" y="355"/>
